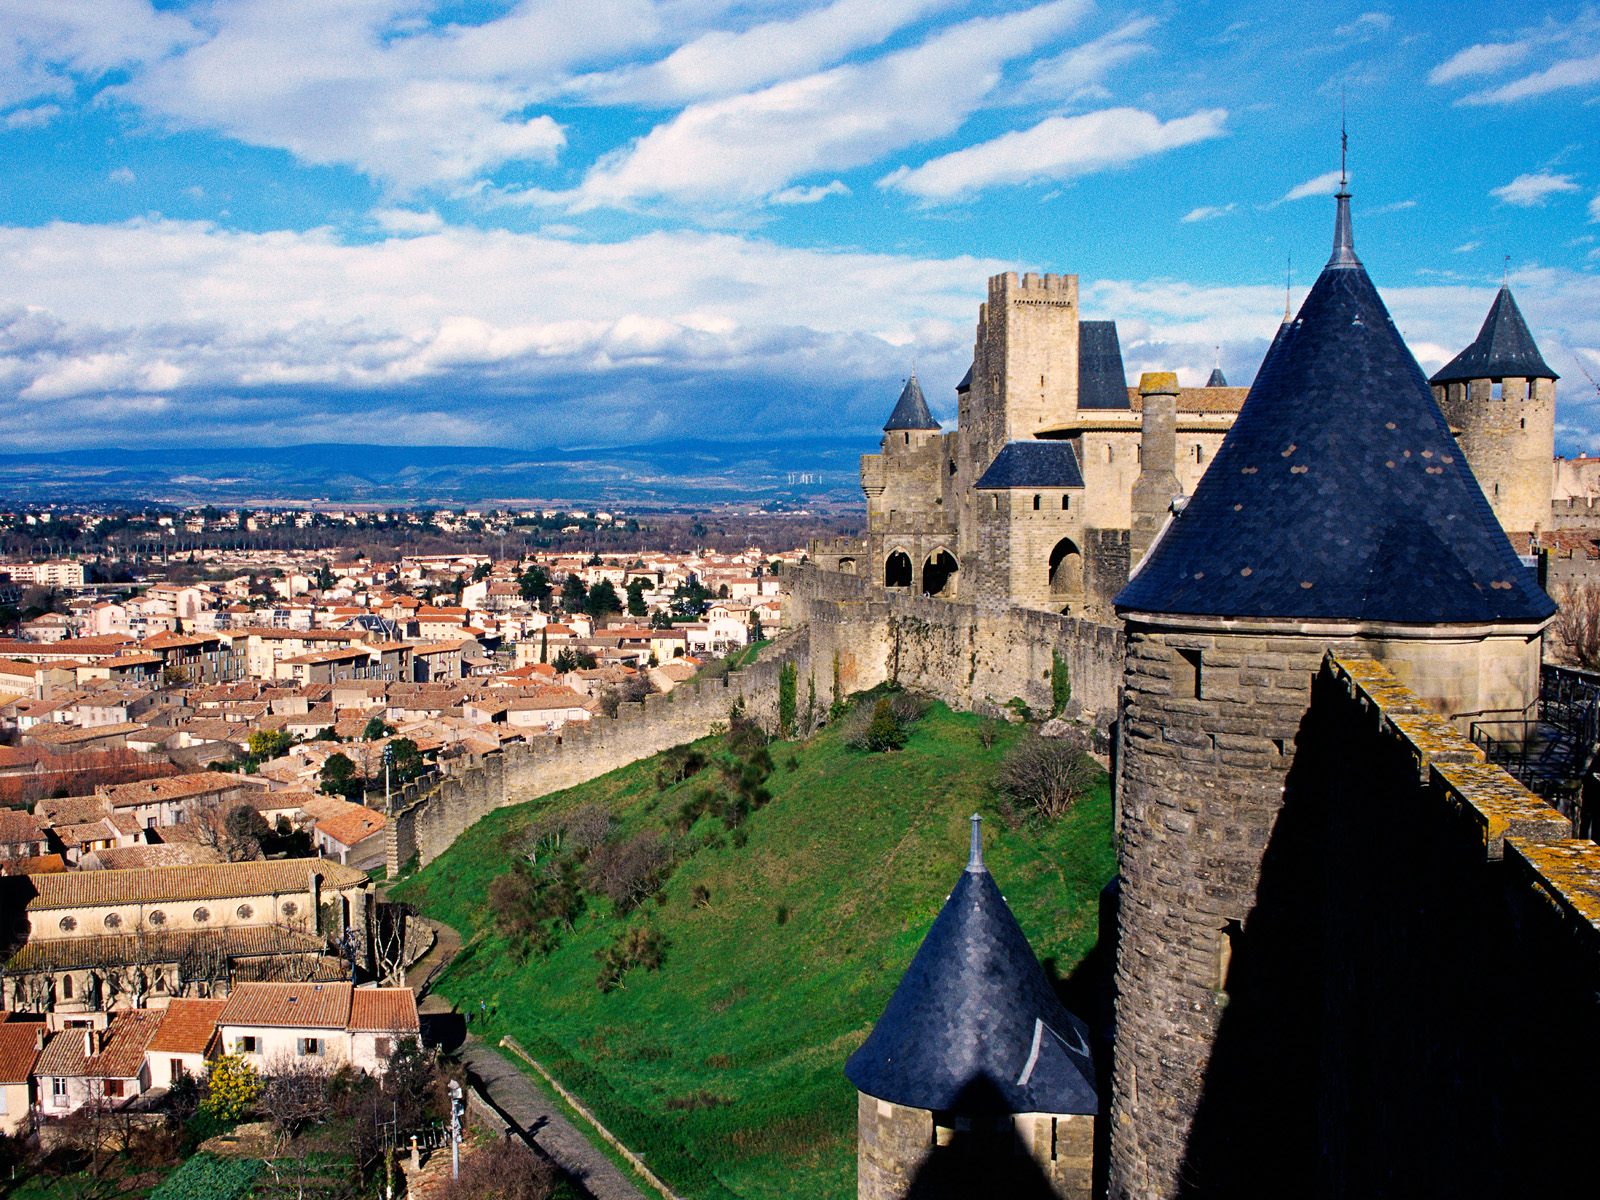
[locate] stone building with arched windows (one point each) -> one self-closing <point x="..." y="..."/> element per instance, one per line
<point x="1029" y="499"/>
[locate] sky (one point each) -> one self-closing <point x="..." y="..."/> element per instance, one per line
<point x="562" y="223"/>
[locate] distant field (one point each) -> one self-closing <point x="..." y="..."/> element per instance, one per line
<point x="725" y="1067"/>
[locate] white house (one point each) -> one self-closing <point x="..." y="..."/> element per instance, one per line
<point x="82" y="1066"/>
<point x="273" y="1024"/>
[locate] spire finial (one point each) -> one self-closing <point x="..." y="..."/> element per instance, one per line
<point x="1505" y="273"/>
<point x="1288" y="288"/>
<point x="975" y="859"/>
<point x="1344" y="141"/>
<point x="1344" y="249"/>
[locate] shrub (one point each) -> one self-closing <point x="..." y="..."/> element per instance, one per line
<point x="629" y="872"/>
<point x="788" y="698"/>
<point x="502" y="1171"/>
<point x="205" y="1177"/>
<point x="1045" y="777"/>
<point x="782" y="915"/>
<point x="533" y="906"/>
<point x="231" y="1087"/>
<point x="700" y="896"/>
<point x="1060" y="684"/>
<point x="678" y="764"/>
<point x="884" y="731"/>
<point x="638" y="946"/>
<point x="988" y="732"/>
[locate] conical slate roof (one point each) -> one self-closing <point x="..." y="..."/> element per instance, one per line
<point x="1504" y="349"/>
<point x="1102" y="382"/>
<point x="1339" y="494"/>
<point x="974" y="1022"/>
<point x="1217" y="378"/>
<point x="911" y="410"/>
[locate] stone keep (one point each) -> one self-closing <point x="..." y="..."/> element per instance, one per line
<point x="1500" y="400"/>
<point x="1339" y="513"/>
<point x="975" y="1081"/>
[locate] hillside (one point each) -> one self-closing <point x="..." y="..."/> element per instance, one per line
<point x="724" y="1067"/>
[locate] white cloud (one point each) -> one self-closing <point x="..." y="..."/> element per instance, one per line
<point x="36" y="117"/>
<point x="1594" y="207"/>
<point x="121" y="175"/>
<point x="1483" y="59"/>
<point x="720" y="62"/>
<point x="1534" y="189"/>
<point x="46" y="45"/>
<point x="1082" y="71"/>
<point x="810" y="195"/>
<point x="748" y="146"/>
<point x="1325" y="184"/>
<point x="1384" y="209"/>
<point x="1208" y="212"/>
<point x="1056" y="148"/>
<point x="1365" y="27"/>
<point x="408" y="220"/>
<point x="1466" y="247"/>
<point x="1570" y="73"/>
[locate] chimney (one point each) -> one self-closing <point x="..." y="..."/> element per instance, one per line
<point x="1157" y="484"/>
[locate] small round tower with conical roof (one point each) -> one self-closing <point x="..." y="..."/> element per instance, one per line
<point x="1338" y="514"/>
<point x="975" y="1081"/>
<point x="1500" y="400"/>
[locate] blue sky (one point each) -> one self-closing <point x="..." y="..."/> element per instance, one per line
<point x="586" y="222"/>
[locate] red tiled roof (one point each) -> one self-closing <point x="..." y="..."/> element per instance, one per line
<point x="288" y="1005"/>
<point x="187" y="1026"/>
<point x="19" y="1049"/>
<point x="387" y="1010"/>
<point x="121" y="1054"/>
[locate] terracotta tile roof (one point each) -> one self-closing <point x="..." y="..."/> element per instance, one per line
<point x="354" y="825"/>
<point x="207" y="881"/>
<point x="173" y="787"/>
<point x="121" y="1053"/>
<point x="39" y="864"/>
<point x="387" y="1010"/>
<point x="19" y="825"/>
<point x="124" y="949"/>
<point x="68" y="735"/>
<point x="19" y="1049"/>
<point x="289" y="1005"/>
<point x="187" y="1027"/>
<point x="168" y="854"/>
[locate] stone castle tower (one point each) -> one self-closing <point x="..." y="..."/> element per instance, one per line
<point x="975" y="1081"/>
<point x="1500" y="400"/>
<point x="1341" y="513"/>
<point x="1029" y="500"/>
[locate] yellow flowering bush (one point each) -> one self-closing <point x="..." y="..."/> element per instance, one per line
<point x="232" y="1086"/>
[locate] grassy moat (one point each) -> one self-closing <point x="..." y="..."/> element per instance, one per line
<point x="724" y="1067"/>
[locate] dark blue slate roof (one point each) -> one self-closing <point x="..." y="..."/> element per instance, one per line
<point x="911" y="410"/>
<point x="966" y="381"/>
<point x="975" y="1016"/>
<point x="1102" y="382"/>
<point x="1217" y="378"/>
<point x="1339" y="493"/>
<point x="1034" y="464"/>
<point x="1504" y="349"/>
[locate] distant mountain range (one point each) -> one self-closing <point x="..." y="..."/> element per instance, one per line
<point x="662" y="473"/>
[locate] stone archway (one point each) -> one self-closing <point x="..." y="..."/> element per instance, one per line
<point x="847" y="566"/>
<point x="1066" y="571"/>
<point x="897" y="570"/>
<point x="939" y="573"/>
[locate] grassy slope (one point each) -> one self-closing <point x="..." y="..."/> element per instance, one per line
<point x="861" y="850"/>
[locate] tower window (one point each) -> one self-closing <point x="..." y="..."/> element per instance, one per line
<point x="1036" y="503"/>
<point x="1497" y="390"/>
<point x="1110" y="454"/>
<point x="1524" y="422"/>
<point x="1063" y="503"/>
<point x="1227" y="941"/>
<point x="1186" y="675"/>
<point x="907" y="436"/>
<point x="1197" y="452"/>
<point x="1530" y="389"/>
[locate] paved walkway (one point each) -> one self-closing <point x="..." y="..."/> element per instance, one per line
<point x="542" y="1124"/>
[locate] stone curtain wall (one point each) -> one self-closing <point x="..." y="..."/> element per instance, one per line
<point x="430" y="816"/>
<point x="1372" y="970"/>
<point x="969" y="657"/>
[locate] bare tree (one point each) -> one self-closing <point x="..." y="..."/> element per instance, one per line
<point x="392" y="933"/>
<point x="1045" y="776"/>
<point x="296" y="1093"/>
<point x="1576" y="630"/>
<point x="502" y="1171"/>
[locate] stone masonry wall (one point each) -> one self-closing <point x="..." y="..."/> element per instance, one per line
<point x="1348" y="948"/>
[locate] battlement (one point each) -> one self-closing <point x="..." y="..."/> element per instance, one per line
<point x="1048" y="288"/>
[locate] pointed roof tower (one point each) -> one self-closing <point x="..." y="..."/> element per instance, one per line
<point x="1504" y="348"/>
<point x="911" y="410"/>
<point x="1218" y="379"/>
<point x="1339" y="493"/>
<point x="975" y="1016"/>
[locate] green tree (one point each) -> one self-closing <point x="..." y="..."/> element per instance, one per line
<point x="376" y="729"/>
<point x="339" y="778"/>
<point x="481" y="572"/>
<point x="231" y="1087"/>
<point x="324" y="579"/>
<point x="885" y="731"/>
<point x="269" y="743"/>
<point x="406" y="760"/>
<point x="788" y="698"/>
<point x="573" y="594"/>
<point x="534" y="586"/>
<point x="602" y="599"/>
<point x="636" y="605"/>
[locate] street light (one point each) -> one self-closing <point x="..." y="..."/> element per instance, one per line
<point x="455" y="1130"/>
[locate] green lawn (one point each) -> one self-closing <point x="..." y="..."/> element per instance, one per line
<point x="724" y="1069"/>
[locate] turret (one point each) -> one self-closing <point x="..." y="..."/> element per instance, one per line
<point x="1339" y="514"/>
<point x="1500" y="400"/>
<point x="910" y="424"/>
<point x="975" y="1081"/>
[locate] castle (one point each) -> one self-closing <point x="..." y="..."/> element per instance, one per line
<point x="1058" y="475"/>
<point x="1329" y="905"/>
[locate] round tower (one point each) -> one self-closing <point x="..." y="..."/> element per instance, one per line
<point x="910" y="426"/>
<point x="975" y="1081"/>
<point x="1338" y="514"/>
<point x="1500" y="400"/>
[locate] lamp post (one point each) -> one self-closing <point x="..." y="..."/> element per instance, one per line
<point x="455" y="1130"/>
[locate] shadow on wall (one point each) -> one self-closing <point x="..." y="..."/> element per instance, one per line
<point x="978" y="1153"/>
<point x="1395" y="1024"/>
